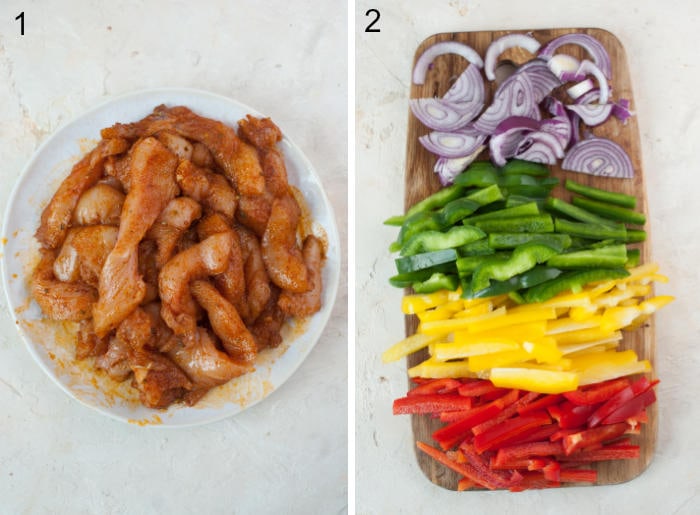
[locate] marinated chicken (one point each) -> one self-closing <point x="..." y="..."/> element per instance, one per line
<point x="177" y="246"/>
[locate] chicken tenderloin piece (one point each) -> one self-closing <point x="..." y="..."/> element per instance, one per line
<point x="307" y="303"/>
<point x="159" y="380"/>
<point x="209" y="257"/>
<point x="59" y="300"/>
<point x="231" y="282"/>
<point x="238" y="160"/>
<point x="121" y="288"/>
<point x="171" y="224"/>
<point x="101" y="204"/>
<point x="205" y="365"/>
<point x="226" y="323"/>
<point x="257" y="282"/>
<point x="210" y="189"/>
<point x="264" y="135"/>
<point x="55" y="219"/>
<point x="84" y="252"/>
<point x="280" y="250"/>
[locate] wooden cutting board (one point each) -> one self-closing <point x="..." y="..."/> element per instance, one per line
<point x="421" y="182"/>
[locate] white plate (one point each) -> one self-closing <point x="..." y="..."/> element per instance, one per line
<point x="52" y="344"/>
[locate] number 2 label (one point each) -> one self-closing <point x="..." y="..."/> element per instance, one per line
<point x="376" y="14"/>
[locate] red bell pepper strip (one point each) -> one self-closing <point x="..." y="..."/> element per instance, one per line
<point x="597" y="393"/>
<point x="453" y="416"/>
<point x="607" y="452"/>
<point x="631" y="408"/>
<point x="431" y="403"/>
<point x="450" y="435"/>
<point x="464" y="469"/>
<point x="569" y="415"/>
<point x="480" y="388"/>
<point x="436" y="386"/>
<point x="578" y="475"/>
<point x="520" y="463"/>
<point x="510" y="410"/>
<point x="619" y="399"/>
<point x="542" y="402"/>
<point x="594" y="436"/>
<point x="535" y="435"/>
<point x="465" y="484"/>
<point x="482" y="465"/>
<point x="496" y="435"/>
<point x="552" y="471"/>
<point x="527" y="450"/>
<point x="533" y="480"/>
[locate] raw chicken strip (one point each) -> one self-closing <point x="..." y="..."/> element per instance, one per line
<point x="307" y="303"/>
<point x="101" y="204"/>
<point x="153" y="185"/>
<point x="172" y="222"/>
<point x="56" y="216"/>
<point x="210" y="189"/>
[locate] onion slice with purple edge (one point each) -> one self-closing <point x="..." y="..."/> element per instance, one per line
<point x="581" y="88"/>
<point x="500" y="45"/>
<point x="588" y="68"/>
<point x="592" y="114"/>
<point x="598" y="156"/>
<point x="438" y="49"/>
<point x="515" y="97"/>
<point x="564" y="65"/>
<point x="448" y="168"/>
<point x="540" y="147"/>
<point x="508" y="135"/>
<point x="458" y="143"/>
<point x="594" y="48"/>
<point x="469" y="87"/>
<point x="441" y="115"/>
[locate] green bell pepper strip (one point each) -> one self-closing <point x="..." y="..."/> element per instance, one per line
<point x="425" y="260"/>
<point x="437" y="199"/>
<point x="612" y="256"/>
<point x="572" y="211"/>
<point x="533" y="277"/>
<point x="487" y="195"/>
<point x="530" y="208"/>
<point x="415" y="224"/>
<point x="620" y="199"/>
<point x="407" y="279"/>
<point x="508" y="181"/>
<point x="590" y="231"/>
<point x="634" y="256"/>
<point x="518" y="166"/>
<point x="437" y="281"/>
<point x="524" y="258"/>
<point x="455" y="211"/>
<point x="516" y="200"/>
<point x="531" y="223"/>
<point x="509" y="240"/>
<point x="396" y="220"/>
<point x="635" y="236"/>
<point x="429" y="241"/>
<point x="480" y="174"/>
<point x="467" y="264"/>
<point x="573" y="281"/>
<point x="476" y="248"/>
<point x="528" y="190"/>
<point x="610" y="211"/>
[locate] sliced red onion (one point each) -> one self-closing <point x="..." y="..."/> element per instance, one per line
<point x="540" y="147"/>
<point x="575" y="128"/>
<point x="441" y="115"/>
<point x="514" y="97"/>
<point x="438" y="49"/>
<point x="577" y="90"/>
<point x="453" y="144"/>
<point x="564" y="65"/>
<point x="621" y="110"/>
<point x="469" y="87"/>
<point x="500" y="45"/>
<point x="508" y="135"/>
<point x="592" y="114"/>
<point x="449" y="168"/>
<point x="542" y="79"/>
<point x="594" y="48"/>
<point x="599" y="156"/>
<point x="589" y="97"/>
<point x="560" y="127"/>
<point x="588" y="68"/>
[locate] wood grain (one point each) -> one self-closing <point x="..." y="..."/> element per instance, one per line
<point x="421" y="182"/>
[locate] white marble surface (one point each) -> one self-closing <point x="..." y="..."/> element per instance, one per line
<point x="287" y="454"/>
<point x="665" y="72"/>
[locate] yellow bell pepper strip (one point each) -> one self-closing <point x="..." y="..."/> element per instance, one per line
<point x="566" y="324"/>
<point x="455" y="324"/>
<point x="619" y="317"/>
<point x="585" y="336"/>
<point x="408" y="346"/>
<point x="451" y="350"/>
<point x="609" y="341"/>
<point x="412" y="304"/>
<point x="544" y="350"/>
<point x="534" y="380"/>
<point x="475" y="309"/>
<point x="484" y="362"/>
<point x="446" y="310"/>
<point x="434" y="369"/>
<point x="526" y="331"/>
<point x="519" y="315"/>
